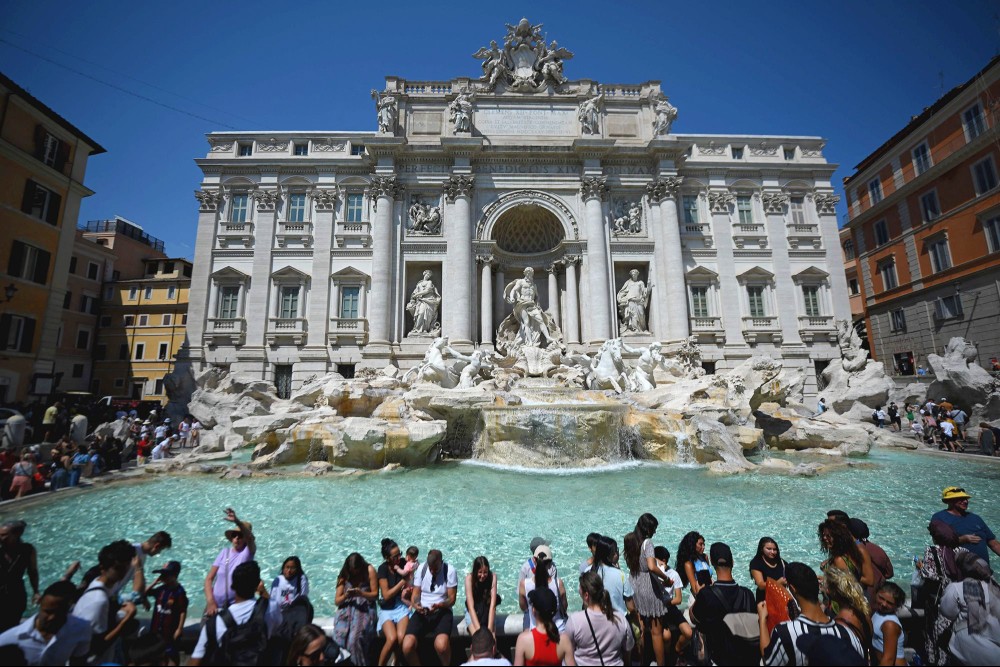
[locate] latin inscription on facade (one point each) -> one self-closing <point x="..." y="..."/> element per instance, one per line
<point x="516" y="122"/>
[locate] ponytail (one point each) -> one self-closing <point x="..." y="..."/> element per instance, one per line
<point x="592" y="586"/>
<point x="544" y="620"/>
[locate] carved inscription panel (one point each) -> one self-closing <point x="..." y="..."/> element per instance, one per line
<point x="519" y="122"/>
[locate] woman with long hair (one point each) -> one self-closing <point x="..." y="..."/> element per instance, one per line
<point x="543" y="579"/>
<point x="844" y="553"/>
<point x="290" y="590"/>
<point x="308" y="647"/>
<point x="848" y="603"/>
<point x="692" y="563"/>
<point x="599" y="634"/>
<point x="938" y="569"/>
<point x="542" y="644"/>
<point x="354" y="623"/>
<point x="648" y="582"/>
<point x="481" y="597"/>
<point x="393" y="614"/>
<point x="767" y="564"/>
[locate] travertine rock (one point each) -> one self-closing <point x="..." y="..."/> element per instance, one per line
<point x="959" y="378"/>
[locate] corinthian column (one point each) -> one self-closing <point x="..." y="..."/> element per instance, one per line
<point x="572" y="333"/>
<point x="554" y="293"/>
<point x="384" y="189"/>
<point x="456" y="306"/>
<point x="675" y="292"/>
<point x="594" y="189"/>
<point x="485" y="300"/>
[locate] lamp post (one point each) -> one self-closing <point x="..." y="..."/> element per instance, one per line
<point x="9" y="291"/>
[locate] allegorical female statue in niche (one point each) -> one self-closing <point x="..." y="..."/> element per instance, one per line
<point x="633" y="298"/>
<point x="423" y="306"/>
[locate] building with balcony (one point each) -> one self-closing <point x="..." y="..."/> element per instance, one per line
<point x="143" y="323"/>
<point x="924" y="226"/>
<point x="43" y="159"/>
<point x="311" y="245"/>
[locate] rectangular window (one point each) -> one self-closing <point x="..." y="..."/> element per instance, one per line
<point x="123" y="351"/>
<point x="949" y="307"/>
<point x="288" y="307"/>
<point x="171" y="293"/>
<point x="16" y="333"/>
<point x="67" y="300"/>
<point x="140" y="351"/>
<point x="796" y="206"/>
<point x="158" y="387"/>
<point x="897" y="320"/>
<point x="992" y="229"/>
<point x="28" y="262"/>
<point x="875" y="191"/>
<point x="109" y="293"/>
<point x="789" y="154"/>
<point x="167" y="319"/>
<point x="929" y="207"/>
<point x="238" y="208"/>
<point x="848" y="250"/>
<point x="973" y="121"/>
<point x="854" y="286"/>
<point x="737" y="153"/>
<point x="82" y="339"/>
<point x="984" y="175"/>
<point x="811" y="295"/>
<point x="888" y="272"/>
<point x="88" y="304"/>
<point x="921" y="159"/>
<point x="184" y="319"/>
<point x="297" y="207"/>
<point x="105" y="320"/>
<point x="72" y="265"/>
<point x="168" y="268"/>
<point x="755" y="293"/>
<point x="349" y="300"/>
<point x="50" y="151"/>
<point x="163" y="352"/>
<point x="130" y="320"/>
<point x="699" y="301"/>
<point x="229" y="302"/>
<point x="133" y="293"/>
<point x="881" y="233"/>
<point x="93" y="271"/>
<point x="355" y="202"/>
<point x="690" y="209"/>
<point x="940" y="257"/>
<point x="245" y="149"/>
<point x="77" y="370"/>
<point x="147" y="293"/>
<point x="301" y="149"/>
<point x="143" y="320"/>
<point x="744" y="208"/>
<point x="41" y="203"/>
<point x="357" y="149"/>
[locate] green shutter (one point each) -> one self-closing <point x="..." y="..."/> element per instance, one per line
<point x="15" y="267"/>
<point x="27" y="334"/>
<point x="52" y="214"/>
<point x="4" y="331"/>
<point x="29" y="197"/>
<point x="42" y="267"/>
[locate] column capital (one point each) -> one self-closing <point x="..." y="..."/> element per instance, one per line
<point x="325" y="198"/>
<point x="664" y="188"/>
<point x="267" y="198"/>
<point x="385" y="186"/>
<point x="594" y="187"/>
<point x="486" y="260"/>
<point x="826" y="203"/>
<point x="208" y="200"/>
<point x="774" y="202"/>
<point x="572" y="260"/>
<point x="459" y="185"/>
<point x="720" y="200"/>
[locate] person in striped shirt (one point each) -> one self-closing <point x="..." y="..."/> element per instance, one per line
<point x="812" y="634"/>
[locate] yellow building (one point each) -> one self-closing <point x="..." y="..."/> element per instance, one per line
<point x="43" y="158"/>
<point x="146" y="319"/>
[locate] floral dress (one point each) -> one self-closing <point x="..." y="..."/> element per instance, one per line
<point x="935" y="624"/>
<point x="354" y="626"/>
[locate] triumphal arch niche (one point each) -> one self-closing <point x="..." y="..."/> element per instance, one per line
<point x="415" y="230"/>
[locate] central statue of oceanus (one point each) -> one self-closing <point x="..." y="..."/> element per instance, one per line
<point x="528" y="325"/>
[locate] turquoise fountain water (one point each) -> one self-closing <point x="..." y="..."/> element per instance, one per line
<point x="470" y="509"/>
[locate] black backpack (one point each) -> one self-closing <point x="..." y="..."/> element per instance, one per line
<point x="243" y="645"/>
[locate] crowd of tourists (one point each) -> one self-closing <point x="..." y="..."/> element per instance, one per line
<point x="404" y="608"/>
<point x="940" y="424"/>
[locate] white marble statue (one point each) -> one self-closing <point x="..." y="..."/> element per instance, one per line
<point x="628" y="220"/>
<point x="435" y="369"/>
<point x="606" y="369"/>
<point x="853" y="357"/>
<point x="525" y="63"/>
<point x="550" y="63"/>
<point x="424" y="218"/>
<point x="589" y="114"/>
<point x="496" y="65"/>
<point x="387" y="110"/>
<point x="649" y="358"/>
<point x="472" y="374"/>
<point x="423" y="306"/>
<point x="666" y="114"/>
<point x="533" y="323"/>
<point x="461" y="112"/>
<point x="633" y="299"/>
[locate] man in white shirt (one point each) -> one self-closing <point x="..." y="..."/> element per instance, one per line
<point x="155" y="545"/>
<point x="52" y="636"/>
<point x="160" y="432"/>
<point x="246" y="579"/>
<point x="162" y="450"/>
<point x="435" y="586"/>
<point x="99" y="608"/>
<point x="483" y="651"/>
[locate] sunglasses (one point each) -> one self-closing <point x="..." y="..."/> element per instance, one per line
<point x="316" y="655"/>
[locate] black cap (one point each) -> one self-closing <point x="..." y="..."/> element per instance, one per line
<point x="172" y="568"/>
<point x="720" y="555"/>
<point x="544" y="600"/>
<point x="858" y="528"/>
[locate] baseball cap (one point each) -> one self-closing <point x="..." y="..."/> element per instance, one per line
<point x="172" y="568"/>
<point x="720" y="555"/>
<point x="537" y="542"/>
<point x="543" y="551"/>
<point x="953" y="493"/>
<point x="544" y="600"/>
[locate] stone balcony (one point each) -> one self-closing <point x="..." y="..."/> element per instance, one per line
<point x="803" y="236"/>
<point x="350" y="330"/>
<point x="235" y="234"/>
<point x="698" y="231"/>
<point x="817" y="327"/>
<point x="353" y="234"/>
<point x="295" y="233"/>
<point x="231" y="330"/>
<point x="286" y="330"/>
<point x="758" y="329"/>
<point x="752" y="235"/>
<point x="708" y="329"/>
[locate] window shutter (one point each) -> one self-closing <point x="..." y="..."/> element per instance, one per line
<point x="15" y="267"/>
<point x="52" y="215"/>
<point x="29" y="197"/>
<point x="42" y="267"/>
<point x="938" y="309"/>
<point x="40" y="142"/>
<point x="27" y="334"/>
<point x="62" y="157"/>
<point x="4" y="331"/>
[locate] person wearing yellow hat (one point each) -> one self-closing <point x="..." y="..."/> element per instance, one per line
<point x="973" y="533"/>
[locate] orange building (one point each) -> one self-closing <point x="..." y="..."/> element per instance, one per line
<point x="43" y="158"/>
<point x="924" y="225"/>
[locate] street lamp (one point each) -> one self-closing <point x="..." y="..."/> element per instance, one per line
<point x="9" y="292"/>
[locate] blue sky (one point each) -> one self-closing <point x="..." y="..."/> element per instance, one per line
<point x="852" y="72"/>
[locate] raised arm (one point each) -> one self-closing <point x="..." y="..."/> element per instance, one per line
<point x="210" y="607"/>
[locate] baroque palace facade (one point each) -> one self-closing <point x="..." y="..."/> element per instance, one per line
<point x="323" y="251"/>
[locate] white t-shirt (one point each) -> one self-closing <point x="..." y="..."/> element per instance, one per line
<point x="95" y="607"/>
<point x="241" y="613"/>
<point x="675" y="582"/>
<point x="128" y="581"/>
<point x="283" y="591"/>
<point x="72" y="641"/>
<point x="488" y="662"/>
<point x="183" y="428"/>
<point x="160" y="432"/>
<point x="423" y="579"/>
<point x="948" y="428"/>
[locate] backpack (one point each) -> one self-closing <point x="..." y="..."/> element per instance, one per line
<point x="244" y="644"/>
<point x="444" y="573"/>
<point x="740" y="629"/>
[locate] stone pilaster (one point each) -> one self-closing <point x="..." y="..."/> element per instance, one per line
<point x="572" y="333"/>
<point x="456" y="305"/>
<point x="384" y="189"/>
<point x="201" y="296"/>
<point x="594" y="190"/>
<point x="324" y="203"/>
<point x="258" y="310"/>
<point x="675" y="290"/>
<point x="554" y="293"/>
<point x="485" y="299"/>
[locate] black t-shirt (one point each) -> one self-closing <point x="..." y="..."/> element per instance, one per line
<point x="709" y="610"/>
<point x="392" y="578"/>
<point x="769" y="572"/>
